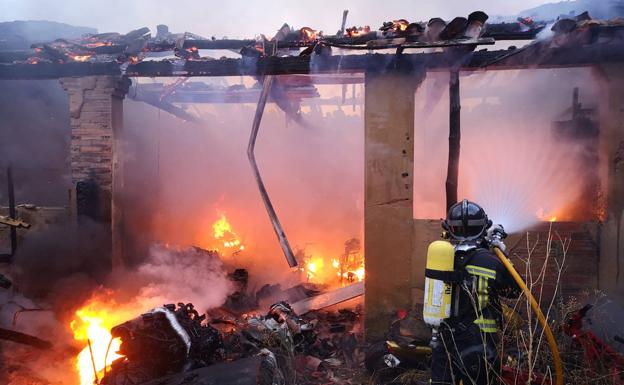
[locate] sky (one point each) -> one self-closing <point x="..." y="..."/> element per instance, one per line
<point x="239" y="18"/>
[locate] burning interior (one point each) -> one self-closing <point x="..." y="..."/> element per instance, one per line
<point x="140" y="247"/>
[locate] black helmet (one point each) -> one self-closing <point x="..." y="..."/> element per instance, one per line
<point x="466" y="221"/>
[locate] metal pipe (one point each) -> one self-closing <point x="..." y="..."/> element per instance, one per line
<point x="95" y="372"/>
<point x="279" y="231"/>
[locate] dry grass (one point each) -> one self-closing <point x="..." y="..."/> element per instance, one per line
<point x="526" y="348"/>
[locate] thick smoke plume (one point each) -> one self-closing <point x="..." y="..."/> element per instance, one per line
<point x="187" y="275"/>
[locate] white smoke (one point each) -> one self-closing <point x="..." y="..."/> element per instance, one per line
<point x="183" y="275"/>
<point x="511" y="161"/>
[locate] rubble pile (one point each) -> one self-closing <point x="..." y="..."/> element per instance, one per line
<point x="164" y="340"/>
<point x="169" y="342"/>
<point x="338" y="352"/>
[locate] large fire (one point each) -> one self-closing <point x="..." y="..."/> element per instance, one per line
<point x="346" y="269"/>
<point x="91" y="326"/>
<point x="222" y="232"/>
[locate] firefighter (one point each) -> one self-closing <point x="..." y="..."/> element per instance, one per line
<point x="464" y="344"/>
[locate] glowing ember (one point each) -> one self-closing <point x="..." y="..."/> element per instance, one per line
<point x="81" y="58"/>
<point x="98" y="44"/>
<point x="92" y="324"/>
<point x="400" y="25"/>
<point x="222" y="231"/>
<point x="355" y="31"/>
<point x="308" y="34"/>
<point x="553" y="219"/>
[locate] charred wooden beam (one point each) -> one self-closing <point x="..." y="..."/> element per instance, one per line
<point x="220" y="96"/>
<point x="452" y="174"/>
<point x="512" y="31"/>
<point x="57" y="71"/>
<point x="218" y="44"/>
<point x="153" y="99"/>
<point x="402" y="44"/>
<point x="329" y="298"/>
<point x="536" y="56"/>
<point x="24" y="339"/>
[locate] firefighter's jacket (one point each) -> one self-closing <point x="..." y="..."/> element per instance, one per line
<point x="476" y="298"/>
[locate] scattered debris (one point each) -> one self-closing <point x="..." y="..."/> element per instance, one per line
<point x="162" y="341"/>
<point x="330" y="298"/>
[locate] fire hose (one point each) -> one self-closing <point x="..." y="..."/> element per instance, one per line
<point x="538" y="312"/>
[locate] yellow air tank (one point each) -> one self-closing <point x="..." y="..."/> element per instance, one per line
<point x="438" y="293"/>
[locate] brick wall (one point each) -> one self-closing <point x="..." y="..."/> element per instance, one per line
<point x="574" y="246"/>
<point x="94" y="102"/>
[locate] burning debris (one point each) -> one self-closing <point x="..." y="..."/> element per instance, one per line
<point x="166" y="340"/>
<point x="172" y="341"/>
<point x="223" y="233"/>
<point x="344" y="270"/>
<point x="139" y="44"/>
<point x="297" y="340"/>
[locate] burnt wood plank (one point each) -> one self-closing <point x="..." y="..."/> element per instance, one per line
<point x="533" y="57"/>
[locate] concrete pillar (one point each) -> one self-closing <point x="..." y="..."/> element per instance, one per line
<point x="96" y="116"/>
<point x="388" y="199"/>
<point x="611" y="264"/>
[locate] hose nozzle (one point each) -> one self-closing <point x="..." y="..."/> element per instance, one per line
<point x="495" y="236"/>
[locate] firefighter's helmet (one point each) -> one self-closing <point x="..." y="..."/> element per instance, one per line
<point x="466" y="221"/>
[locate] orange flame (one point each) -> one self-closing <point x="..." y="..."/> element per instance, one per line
<point x="400" y="25"/>
<point x="222" y="231"/>
<point x="355" y="31"/>
<point x="546" y="216"/>
<point x="92" y="324"/>
<point x="308" y="34"/>
<point x="339" y="271"/>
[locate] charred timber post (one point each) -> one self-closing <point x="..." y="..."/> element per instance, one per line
<point x="343" y="25"/>
<point x="452" y="174"/>
<point x="277" y="226"/>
